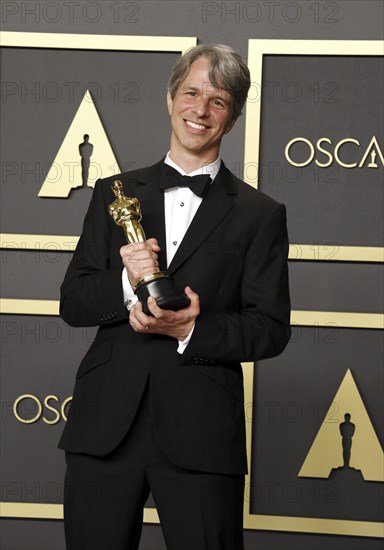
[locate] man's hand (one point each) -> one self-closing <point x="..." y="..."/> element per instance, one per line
<point x="177" y="324"/>
<point x="140" y="259"/>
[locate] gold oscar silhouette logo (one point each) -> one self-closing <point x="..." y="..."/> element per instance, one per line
<point x="84" y="156"/>
<point x="346" y="440"/>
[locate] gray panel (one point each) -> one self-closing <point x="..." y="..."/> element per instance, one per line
<point x="336" y="98"/>
<point x="129" y="105"/>
<point x="320" y="286"/>
<point x="39" y="356"/>
<point x="34" y="274"/>
<point x="257" y="540"/>
<point x="292" y="395"/>
<point x="20" y="534"/>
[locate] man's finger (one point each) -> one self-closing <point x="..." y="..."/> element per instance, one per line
<point x="143" y="319"/>
<point x="195" y="298"/>
<point x="153" y="244"/>
<point x="138" y="254"/>
<point x="131" y="248"/>
<point x="156" y="311"/>
<point x="138" y="320"/>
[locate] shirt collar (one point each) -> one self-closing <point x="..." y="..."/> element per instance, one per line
<point x="211" y="169"/>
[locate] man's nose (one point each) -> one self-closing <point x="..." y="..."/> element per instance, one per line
<point x="201" y="107"/>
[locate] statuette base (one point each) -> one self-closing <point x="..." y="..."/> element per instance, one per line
<point x="163" y="289"/>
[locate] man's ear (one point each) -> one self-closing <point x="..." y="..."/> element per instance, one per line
<point x="169" y="103"/>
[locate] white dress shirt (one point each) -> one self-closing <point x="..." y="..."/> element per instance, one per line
<point x="180" y="207"/>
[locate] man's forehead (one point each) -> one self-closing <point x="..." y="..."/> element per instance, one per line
<point x="192" y="81"/>
<point x="206" y="86"/>
<point x="201" y="65"/>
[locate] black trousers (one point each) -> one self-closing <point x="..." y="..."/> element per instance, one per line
<point x="104" y="498"/>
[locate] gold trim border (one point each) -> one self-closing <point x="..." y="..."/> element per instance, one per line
<point x="298" y="252"/>
<point x="31" y="510"/>
<point x="256" y="51"/>
<point x="19" y="306"/>
<point x="19" y="241"/>
<point x="346" y="319"/>
<point x="335" y="253"/>
<point x="96" y="41"/>
<point x="316" y="526"/>
<point x="260" y="522"/>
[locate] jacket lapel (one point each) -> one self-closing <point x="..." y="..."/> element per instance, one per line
<point x="218" y="202"/>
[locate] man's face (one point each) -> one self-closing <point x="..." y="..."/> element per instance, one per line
<point x="200" y="115"/>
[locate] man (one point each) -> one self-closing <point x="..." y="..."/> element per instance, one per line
<point x="158" y="403"/>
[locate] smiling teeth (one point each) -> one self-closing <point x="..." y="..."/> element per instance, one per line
<point x="194" y="125"/>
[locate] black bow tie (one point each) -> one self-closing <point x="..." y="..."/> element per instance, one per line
<point x="172" y="178"/>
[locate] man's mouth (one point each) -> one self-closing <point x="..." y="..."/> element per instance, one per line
<point x="195" y="126"/>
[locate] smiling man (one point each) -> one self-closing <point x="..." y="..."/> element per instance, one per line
<point x="200" y="116"/>
<point x="158" y="402"/>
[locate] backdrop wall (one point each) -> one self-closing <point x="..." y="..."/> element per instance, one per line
<point x="306" y="139"/>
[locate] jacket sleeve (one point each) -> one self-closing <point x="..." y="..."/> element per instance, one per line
<point x="260" y="329"/>
<point x="92" y="293"/>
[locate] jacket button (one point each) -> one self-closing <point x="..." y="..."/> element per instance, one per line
<point x="195" y="360"/>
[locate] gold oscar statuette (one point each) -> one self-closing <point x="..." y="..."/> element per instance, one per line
<point x="126" y="212"/>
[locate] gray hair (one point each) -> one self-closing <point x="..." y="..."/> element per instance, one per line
<point x="227" y="71"/>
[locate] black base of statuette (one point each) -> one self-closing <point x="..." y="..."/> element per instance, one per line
<point x="165" y="293"/>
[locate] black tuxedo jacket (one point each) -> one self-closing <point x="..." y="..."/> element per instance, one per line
<point x="234" y="255"/>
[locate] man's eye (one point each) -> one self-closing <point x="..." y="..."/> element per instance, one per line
<point x="218" y="103"/>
